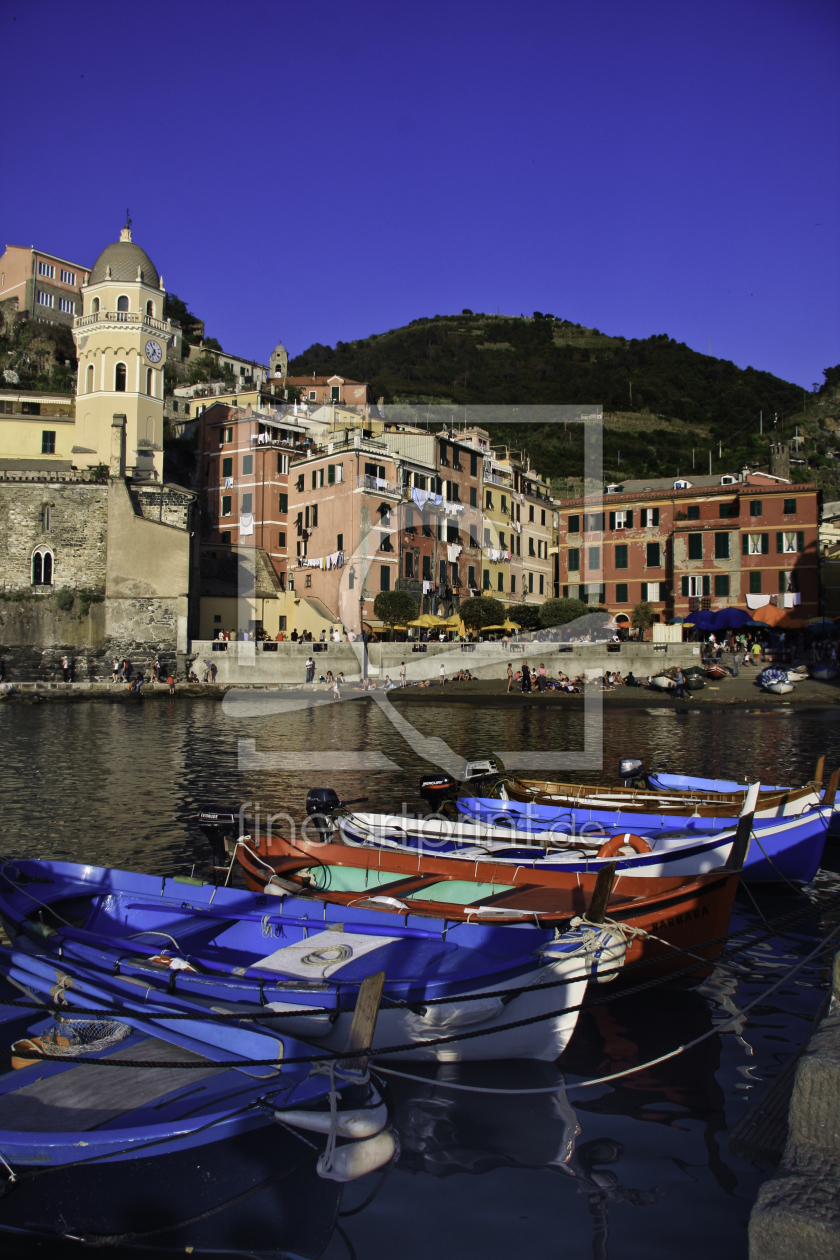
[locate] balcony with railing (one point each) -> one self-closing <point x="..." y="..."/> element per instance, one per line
<point x="378" y="485"/>
<point x="137" y="318"/>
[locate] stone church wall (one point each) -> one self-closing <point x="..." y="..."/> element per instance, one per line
<point x="130" y="547"/>
<point x="76" y="532"/>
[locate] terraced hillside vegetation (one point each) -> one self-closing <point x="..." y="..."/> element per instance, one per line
<point x="666" y="406"/>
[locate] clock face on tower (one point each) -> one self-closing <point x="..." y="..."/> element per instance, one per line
<point x="153" y="352"/>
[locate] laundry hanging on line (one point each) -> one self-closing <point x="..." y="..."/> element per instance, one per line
<point x="246" y="524"/>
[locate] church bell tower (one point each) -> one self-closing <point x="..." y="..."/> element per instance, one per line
<point x="121" y="341"/>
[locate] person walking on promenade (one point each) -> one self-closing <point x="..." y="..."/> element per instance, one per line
<point x="679" y="689"/>
<point x="310" y="669"/>
<point x="402" y="674"/>
<point x="509" y="677"/>
<point x="212" y="671"/>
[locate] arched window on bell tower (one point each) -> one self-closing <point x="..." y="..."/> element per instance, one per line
<point x="150" y="309"/>
<point x="94" y="306"/>
<point x="122" y="303"/>
<point x="149" y="382"/>
<point x="89" y="378"/>
<point x="119" y="378"/>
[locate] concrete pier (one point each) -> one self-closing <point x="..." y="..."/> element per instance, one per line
<point x="797" y="1214"/>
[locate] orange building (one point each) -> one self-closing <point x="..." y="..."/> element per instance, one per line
<point x="700" y="542"/>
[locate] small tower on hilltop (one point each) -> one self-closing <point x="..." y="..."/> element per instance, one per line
<point x="780" y="460"/>
<point x="278" y="364"/>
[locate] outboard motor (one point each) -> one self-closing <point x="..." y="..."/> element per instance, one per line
<point x="631" y="770"/>
<point x="436" y="789"/>
<point x="219" y="825"/>
<point x="321" y="804"/>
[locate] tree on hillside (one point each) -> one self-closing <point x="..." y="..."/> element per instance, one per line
<point x="559" y="612"/>
<point x="642" y="616"/>
<point x="192" y="328"/>
<point x="525" y="615"/>
<point x="395" y="607"/>
<point x="481" y="611"/>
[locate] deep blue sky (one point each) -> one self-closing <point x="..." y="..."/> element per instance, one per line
<point x="322" y="172"/>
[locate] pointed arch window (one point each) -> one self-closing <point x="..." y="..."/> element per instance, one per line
<point x="119" y="378"/>
<point x="42" y="567"/>
<point x="89" y="385"/>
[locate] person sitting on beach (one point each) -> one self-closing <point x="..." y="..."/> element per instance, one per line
<point x="424" y="682"/>
<point x="388" y="686"/>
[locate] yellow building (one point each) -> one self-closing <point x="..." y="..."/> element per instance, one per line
<point x="36" y="431"/>
<point x="121" y="340"/>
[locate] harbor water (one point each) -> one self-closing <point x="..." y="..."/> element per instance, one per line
<point x="640" y="1168"/>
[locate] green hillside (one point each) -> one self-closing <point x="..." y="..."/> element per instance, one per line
<point x="662" y="401"/>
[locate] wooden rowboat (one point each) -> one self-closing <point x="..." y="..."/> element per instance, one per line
<point x="644" y="800"/>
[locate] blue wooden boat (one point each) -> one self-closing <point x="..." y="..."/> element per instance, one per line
<point x="197" y="947"/>
<point x="787" y="848"/>
<point x="691" y="783"/>
<point x="781" y="848"/>
<point x="156" y="1156"/>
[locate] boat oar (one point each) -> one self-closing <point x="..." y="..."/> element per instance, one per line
<point x="818" y="772"/>
<point x="831" y="790"/>
<point x="597" y="910"/>
<point x="743" y="831"/>
<point x="363" y="1026"/>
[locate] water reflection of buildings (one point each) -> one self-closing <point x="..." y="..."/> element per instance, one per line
<point x="444" y="1132"/>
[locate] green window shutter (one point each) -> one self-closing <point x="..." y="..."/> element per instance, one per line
<point x="630" y="520"/>
<point x="330" y="474"/>
<point x="284" y="504"/>
<point x="800" y="540"/>
<point x="707" y="584"/>
<point x="782" y="585"/>
<point x="685" y="584"/>
<point x="574" y="559"/>
<point x="765" y="544"/>
<point x="780" y="543"/>
<point x="621" y="556"/>
<point x="745" y="544"/>
<point x="755" y="582"/>
<point x="612" y="520"/>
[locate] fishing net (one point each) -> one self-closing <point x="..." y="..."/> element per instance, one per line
<point x="74" y="1036"/>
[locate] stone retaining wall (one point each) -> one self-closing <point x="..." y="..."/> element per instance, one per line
<point x="797" y="1214"/>
<point x="242" y="664"/>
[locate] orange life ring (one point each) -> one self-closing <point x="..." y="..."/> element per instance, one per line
<point x="612" y="847"/>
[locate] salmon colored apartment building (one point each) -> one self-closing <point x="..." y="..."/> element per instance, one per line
<point x="701" y="542"/>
